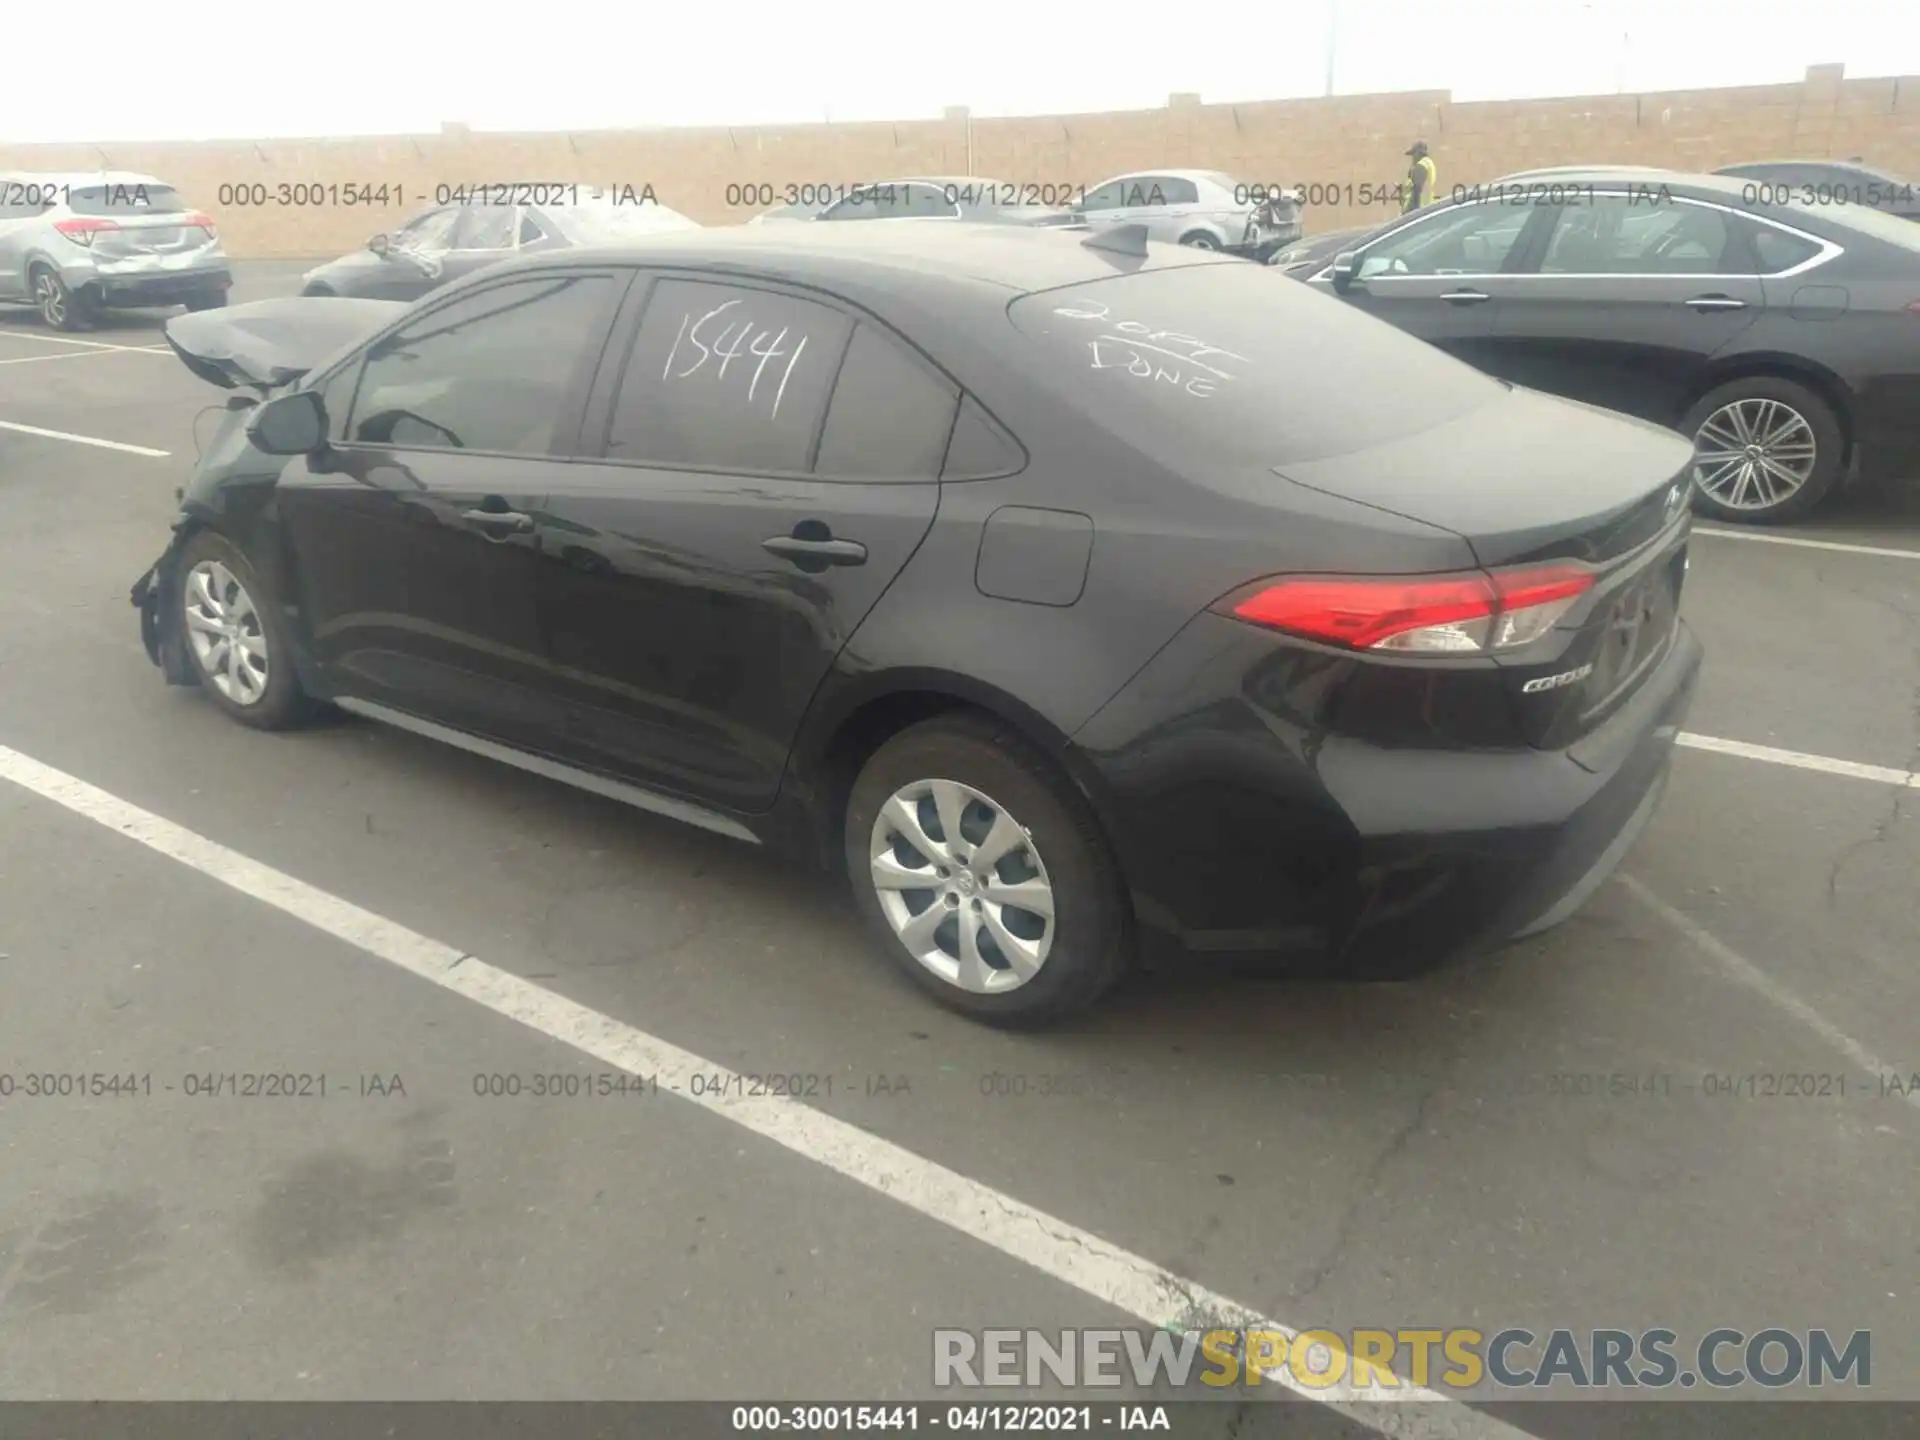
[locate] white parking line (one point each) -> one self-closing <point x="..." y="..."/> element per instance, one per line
<point x="1847" y="549"/>
<point x="1800" y="760"/>
<point x="1754" y="978"/>
<point x="84" y="344"/>
<point x="66" y="355"/>
<point x="1076" y="1257"/>
<point x="84" y="440"/>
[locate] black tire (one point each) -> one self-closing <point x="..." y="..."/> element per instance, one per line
<point x="208" y="300"/>
<point x="1092" y="945"/>
<point x="1828" y="439"/>
<point x="317" y="292"/>
<point x="59" y="307"/>
<point x="1200" y="240"/>
<point x="282" y="702"/>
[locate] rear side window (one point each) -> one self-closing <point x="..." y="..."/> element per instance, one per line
<point x="1778" y="251"/>
<point x="1220" y="363"/>
<point x="727" y="378"/>
<point x="125" y="198"/>
<point x="891" y="414"/>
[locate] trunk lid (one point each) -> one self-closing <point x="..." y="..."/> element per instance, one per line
<point x="1536" y="480"/>
<point x="269" y="343"/>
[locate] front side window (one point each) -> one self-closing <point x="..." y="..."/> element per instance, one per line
<point x="1636" y="234"/>
<point x="431" y="231"/>
<point x="723" y="377"/>
<point x="489" y="372"/>
<point x="1473" y="240"/>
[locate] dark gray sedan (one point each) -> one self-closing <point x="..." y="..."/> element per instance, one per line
<point x="465" y="235"/>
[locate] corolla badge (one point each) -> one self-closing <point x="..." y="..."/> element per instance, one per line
<point x="1554" y="682"/>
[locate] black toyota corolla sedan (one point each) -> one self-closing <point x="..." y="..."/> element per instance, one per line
<point x="1084" y="600"/>
<point x="1782" y="338"/>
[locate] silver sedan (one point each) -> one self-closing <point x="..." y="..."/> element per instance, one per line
<point x="1208" y="209"/>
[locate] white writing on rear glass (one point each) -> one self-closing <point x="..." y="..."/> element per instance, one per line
<point x="1163" y="356"/>
<point x="737" y="339"/>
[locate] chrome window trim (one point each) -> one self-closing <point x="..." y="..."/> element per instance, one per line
<point x="1829" y="249"/>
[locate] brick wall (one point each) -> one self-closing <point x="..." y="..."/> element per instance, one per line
<point x="1335" y="142"/>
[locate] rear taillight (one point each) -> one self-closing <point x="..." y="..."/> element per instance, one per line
<point x="82" y="229"/>
<point x="203" y="220"/>
<point x="1478" y="613"/>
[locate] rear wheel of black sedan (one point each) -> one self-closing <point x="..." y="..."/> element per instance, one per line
<point x="1765" y="450"/>
<point x="235" y="639"/>
<point x="983" y="873"/>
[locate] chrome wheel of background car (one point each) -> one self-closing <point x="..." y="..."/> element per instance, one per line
<point x="962" y="886"/>
<point x="51" y="298"/>
<point x="1752" y="454"/>
<point x="225" y="632"/>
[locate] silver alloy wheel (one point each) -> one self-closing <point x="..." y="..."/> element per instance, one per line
<point x="962" y="885"/>
<point x="1752" y="454"/>
<point x="51" y="297"/>
<point x="225" y="631"/>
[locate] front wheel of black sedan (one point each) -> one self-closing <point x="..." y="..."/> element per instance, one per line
<point x="1765" y="450"/>
<point x="984" y="875"/>
<point x="237" y="643"/>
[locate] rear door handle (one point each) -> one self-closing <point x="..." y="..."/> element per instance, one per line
<point x="1465" y="297"/>
<point x="831" y="552"/>
<point x="511" y="521"/>
<point x="1715" y="302"/>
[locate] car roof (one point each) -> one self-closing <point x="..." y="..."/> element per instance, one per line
<point x="87" y="178"/>
<point x="1012" y="260"/>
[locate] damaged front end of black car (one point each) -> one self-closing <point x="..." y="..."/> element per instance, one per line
<point x="258" y="350"/>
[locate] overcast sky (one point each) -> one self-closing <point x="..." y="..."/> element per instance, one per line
<point x="358" y="67"/>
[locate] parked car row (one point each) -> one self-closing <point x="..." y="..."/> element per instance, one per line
<point x="1205" y="209"/>
<point x="1780" y="332"/>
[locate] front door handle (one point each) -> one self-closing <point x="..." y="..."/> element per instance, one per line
<point x="507" y="521"/>
<point x="1465" y="297"/>
<point x="826" y="551"/>
<point x="1715" y="302"/>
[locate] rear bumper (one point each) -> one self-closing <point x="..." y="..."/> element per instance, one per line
<point x="154" y="287"/>
<point x="1247" y="830"/>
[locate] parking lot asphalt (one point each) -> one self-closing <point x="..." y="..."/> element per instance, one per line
<point x="1391" y="1155"/>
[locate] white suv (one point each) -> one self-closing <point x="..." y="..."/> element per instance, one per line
<point x="72" y="245"/>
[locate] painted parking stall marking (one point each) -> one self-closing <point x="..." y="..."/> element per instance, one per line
<point x="1048" y="1244"/>
<point x="93" y="440"/>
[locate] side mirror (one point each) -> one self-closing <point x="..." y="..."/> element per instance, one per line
<point x="293" y="424"/>
<point x="379" y="245"/>
<point x="1346" y="269"/>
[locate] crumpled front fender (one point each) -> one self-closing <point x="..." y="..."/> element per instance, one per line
<point x="156" y="596"/>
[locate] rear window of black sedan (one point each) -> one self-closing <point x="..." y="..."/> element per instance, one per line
<point x="1231" y="362"/>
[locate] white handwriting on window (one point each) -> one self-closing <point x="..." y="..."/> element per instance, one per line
<point x="735" y="339"/>
<point x="1164" y="356"/>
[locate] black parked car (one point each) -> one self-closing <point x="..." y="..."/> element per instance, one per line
<point x="1827" y="182"/>
<point x="1070" y="594"/>
<point x="1305" y="256"/>
<point x="453" y="240"/>
<point x="1781" y="338"/>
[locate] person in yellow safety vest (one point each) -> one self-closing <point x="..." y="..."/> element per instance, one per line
<point x="1423" y="181"/>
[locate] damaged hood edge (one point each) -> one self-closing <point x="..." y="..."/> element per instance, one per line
<point x="269" y="343"/>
